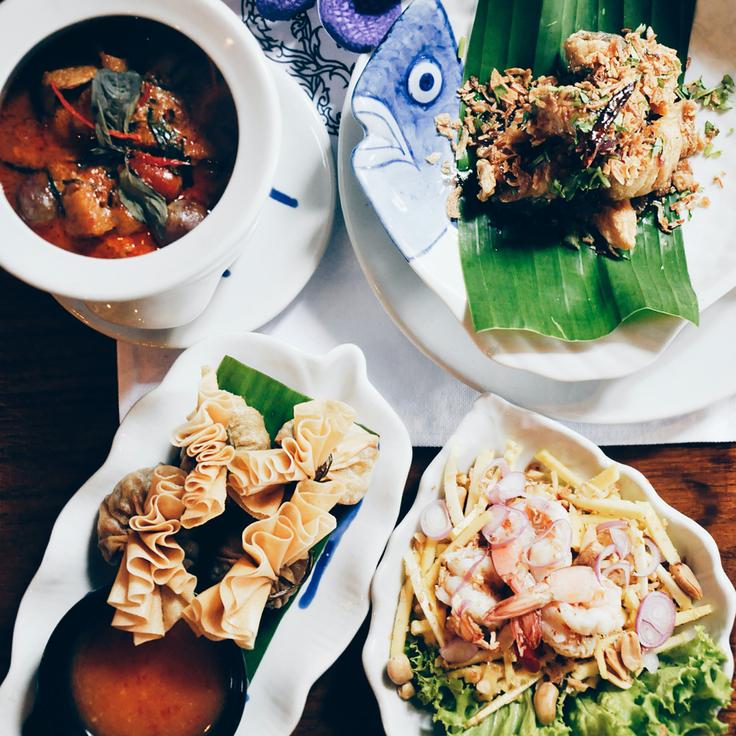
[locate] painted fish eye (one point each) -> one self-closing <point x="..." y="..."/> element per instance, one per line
<point x="424" y="82"/>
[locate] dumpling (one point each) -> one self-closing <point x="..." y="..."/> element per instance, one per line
<point x="352" y="464"/>
<point x="127" y="499"/>
<point x="152" y="586"/>
<point x="260" y="505"/>
<point x="232" y="609"/>
<point x="253" y="471"/>
<point x="208" y="439"/>
<point x="317" y="428"/>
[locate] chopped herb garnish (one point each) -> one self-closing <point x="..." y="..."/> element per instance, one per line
<point x="711" y="131"/>
<point x="714" y="98"/>
<point x="584" y="181"/>
<point x="142" y="201"/>
<point x="115" y="96"/>
<point x="499" y="91"/>
<point x="540" y="159"/>
<point x="584" y="125"/>
<point x="710" y="152"/>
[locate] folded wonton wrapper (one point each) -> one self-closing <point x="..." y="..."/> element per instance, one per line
<point x="307" y="443"/>
<point x="232" y="609"/>
<point x="352" y="464"/>
<point x="221" y="422"/>
<point x="152" y="587"/>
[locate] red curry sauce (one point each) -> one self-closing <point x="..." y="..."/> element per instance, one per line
<point x="178" y="148"/>
<point x="175" y="686"/>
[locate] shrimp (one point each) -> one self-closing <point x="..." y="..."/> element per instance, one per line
<point x="466" y="581"/>
<point x="573" y="630"/>
<point x="575" y="610"/>
<point x="542" y="547"/>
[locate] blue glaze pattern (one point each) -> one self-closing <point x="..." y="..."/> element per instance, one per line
<point x="320" y="566"/>
<point x="278" y="196"/>
<point x="412" y="77"/>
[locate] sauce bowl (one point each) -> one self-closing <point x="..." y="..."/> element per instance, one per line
<point x="54" y="709"/>
<point x="173" y="285"/>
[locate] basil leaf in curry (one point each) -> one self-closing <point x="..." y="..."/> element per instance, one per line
<point x="167" y="139"/>
<point x="143" y="202"/>
<point x="114" y="99"/>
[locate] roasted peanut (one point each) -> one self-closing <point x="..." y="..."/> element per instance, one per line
<point x="406" y="691"/>
<point x="631" y="651"/>
<point x="686" y="580"/>
<point x="545" y="703"/>
<point x="399" y="669"/>
<point x="615" y="665"/>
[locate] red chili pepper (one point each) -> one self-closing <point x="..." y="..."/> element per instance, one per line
<point x="145" y="93"/>
<point x="160" y="160"/>
<point x="78" y="115"/>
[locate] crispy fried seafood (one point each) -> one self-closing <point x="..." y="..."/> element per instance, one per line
<point x="612" y="133"/>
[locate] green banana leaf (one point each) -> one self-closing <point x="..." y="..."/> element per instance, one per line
<point x="276" y="402"/>
<point x="526" y="279"/>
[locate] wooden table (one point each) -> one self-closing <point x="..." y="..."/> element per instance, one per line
<point x="58" y="414"/>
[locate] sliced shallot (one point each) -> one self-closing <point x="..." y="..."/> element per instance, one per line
<point x="615" y="524"/>
<point x="655" y="558"/>
<point x="458" y="650"/>
<point x="650" y="660"/>
<point x="619" y="535"/>
<point x="604" y="554"/>
<point x="623" y="567"/>
<point x="435" y="521"/>
<point x="468" y="576"/>
<point x="655" y="620"/>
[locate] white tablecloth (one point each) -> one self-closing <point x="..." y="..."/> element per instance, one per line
<point x="338" y="306"/>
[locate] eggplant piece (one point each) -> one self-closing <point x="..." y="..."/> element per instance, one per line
<point x="184" y="215"/>
<point x="36" y="202"/>
<point x="598" y="141"/>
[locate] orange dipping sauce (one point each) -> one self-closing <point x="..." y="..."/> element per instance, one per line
<point x="175" y="686"/>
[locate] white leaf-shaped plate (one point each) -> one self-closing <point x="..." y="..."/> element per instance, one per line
<point x="402" y="189"/>
<point x="488" y="425"/>
<point x="310" y="638"/>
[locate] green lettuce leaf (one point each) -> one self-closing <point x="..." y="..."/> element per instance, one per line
<point x="681" y="699"/>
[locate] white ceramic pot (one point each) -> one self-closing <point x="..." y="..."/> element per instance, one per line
<point x="173" y="285"/>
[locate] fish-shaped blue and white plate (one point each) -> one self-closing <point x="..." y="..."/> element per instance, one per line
<point x="411" y="77"/>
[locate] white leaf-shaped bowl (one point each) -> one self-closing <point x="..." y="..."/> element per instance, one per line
<point x="488" y="425"/>
<point x="308" y="639"/>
